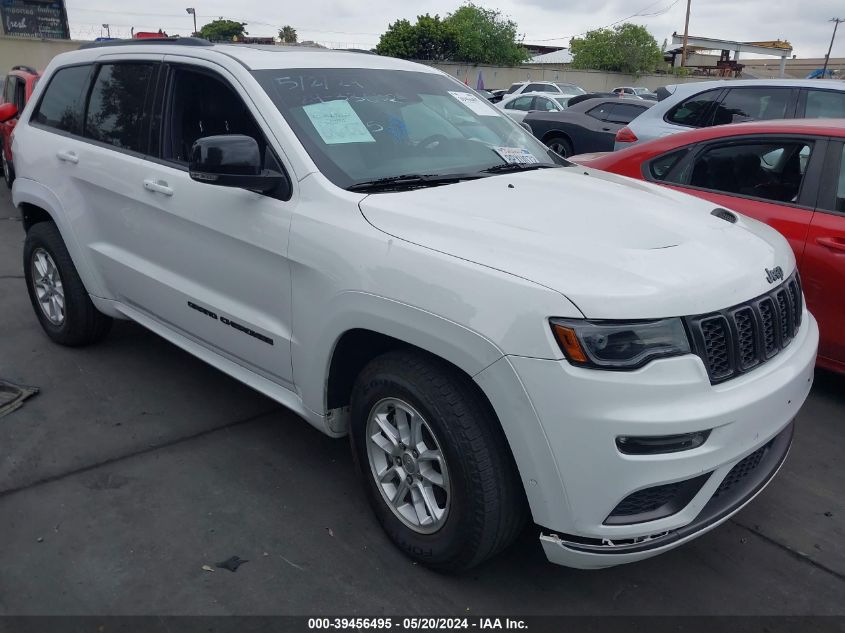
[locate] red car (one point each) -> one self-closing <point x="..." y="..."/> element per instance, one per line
<point x="789" y="174"/>
<point x="17" y="88"/>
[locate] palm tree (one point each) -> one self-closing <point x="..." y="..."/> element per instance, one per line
<point x="288" y="34"/>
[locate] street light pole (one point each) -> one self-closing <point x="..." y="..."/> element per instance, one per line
<point x="686" y="36"/>
<point x="192" y="11"/>
<point x="836" y="22"/>
<point x="108" y="30"/>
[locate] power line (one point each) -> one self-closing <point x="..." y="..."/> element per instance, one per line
<point x="638" y="14"/>
<point x="214" y="16"/>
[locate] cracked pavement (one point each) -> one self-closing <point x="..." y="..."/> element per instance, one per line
<point x="137" y="464"/>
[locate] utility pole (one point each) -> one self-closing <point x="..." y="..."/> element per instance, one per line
<point x="686" y="37"/>
<point x="193" y="12"/>
<point x="836" y="22"/>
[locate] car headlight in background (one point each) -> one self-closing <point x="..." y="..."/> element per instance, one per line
<point x="619" y="345"/>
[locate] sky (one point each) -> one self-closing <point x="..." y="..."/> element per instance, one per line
<point x="358" y="24"/>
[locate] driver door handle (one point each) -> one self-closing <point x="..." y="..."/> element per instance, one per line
<point x="67" y="157"/>
<point x="158" y="186"/>
<point x="833" y="243"/>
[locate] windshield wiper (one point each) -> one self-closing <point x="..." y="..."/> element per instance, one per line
<point x="410" y="181"/>
<point x="506" y="167"/>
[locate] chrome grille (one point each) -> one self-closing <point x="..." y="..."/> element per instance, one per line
<point x="742" y="337"/>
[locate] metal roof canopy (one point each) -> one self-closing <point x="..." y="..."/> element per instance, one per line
<point x="758" y="48"/>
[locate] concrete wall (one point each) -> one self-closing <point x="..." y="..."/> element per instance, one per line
<point x="590" y="80"/>
<point x="31" y="52"/>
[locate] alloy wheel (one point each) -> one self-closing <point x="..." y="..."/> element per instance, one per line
<point x="48" y="286"/>
<point x="408" y="466"/>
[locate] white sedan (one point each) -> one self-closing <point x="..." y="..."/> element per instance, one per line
<point x="517" y="107"/>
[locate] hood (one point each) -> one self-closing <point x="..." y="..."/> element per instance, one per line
<point x="617" y="248"/>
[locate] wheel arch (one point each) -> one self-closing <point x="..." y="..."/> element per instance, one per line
<point x="556" y="133"/>
<point x="37" y="204"/>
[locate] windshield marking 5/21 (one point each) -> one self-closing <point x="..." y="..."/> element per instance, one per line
<point x="361" y="125"/>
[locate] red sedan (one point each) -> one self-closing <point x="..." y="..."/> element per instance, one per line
<point x="17" y="88"/>
<point x="789" y="174"/>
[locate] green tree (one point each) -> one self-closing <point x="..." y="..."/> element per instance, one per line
<point x="484" y="36"/>
<point x="221" y="30"/>
<point x="627" y="48"/>
<point x="428" y="39"/>
<point x="470" y="34"/>
<point x="288" y="34"/>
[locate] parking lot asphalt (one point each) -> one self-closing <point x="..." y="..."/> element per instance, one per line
<point x="137" y="464"/>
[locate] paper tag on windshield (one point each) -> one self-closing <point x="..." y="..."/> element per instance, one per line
<point x="516" y="155"/>
<point x="337" y="123"/>
<point x="474" y="103"/>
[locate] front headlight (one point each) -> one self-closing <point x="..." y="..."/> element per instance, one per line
<point x="619" y="345"/>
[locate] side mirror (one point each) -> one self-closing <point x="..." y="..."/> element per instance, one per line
<point x="8" y="111"/>
<point x="527" y="128"/>
<point x="233" y="160"/>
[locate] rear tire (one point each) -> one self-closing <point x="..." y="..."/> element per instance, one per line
<point x="560" y="145"/>
<point x="8" y="168"/>
<point x="58" y="296"/>
<point x="478" y="507"/>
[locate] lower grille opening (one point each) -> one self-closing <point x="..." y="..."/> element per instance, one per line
<point x="742" y="470"/>
<point x="656" y="502"/>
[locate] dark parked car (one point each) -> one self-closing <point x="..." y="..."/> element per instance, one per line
<point x="591" y="95"/>
<point x="588" y="126"/>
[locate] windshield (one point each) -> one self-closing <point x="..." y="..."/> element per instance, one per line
<point x="361" y="125"/>
<point x="640" y="91"/>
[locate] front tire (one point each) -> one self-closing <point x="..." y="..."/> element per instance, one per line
<point x="58" y="296"/>
<point x="434" y="461"/>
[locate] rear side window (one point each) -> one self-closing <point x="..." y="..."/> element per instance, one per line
<point x="600" y="112"/>
<point x="624" y="113"/>
<point x="9" y="89"/>
<point x="825" y="104"/>
<point x="752" y="104"/>
<point x="692" y="111"/>
<point x="116" y="109"/>
<point x="520" y="103"/>
<point x="63" y="102"/>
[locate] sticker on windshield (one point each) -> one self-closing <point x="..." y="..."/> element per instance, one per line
<point x="516" y="155"/>
<point x="474" y="103"/>
<point x="337" y="123"/>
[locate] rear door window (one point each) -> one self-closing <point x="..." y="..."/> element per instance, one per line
<point x="63" y="102"/>
<point x="117" y="111"/>
<point x="693" y="111"/>
<point x="752" y="104"/>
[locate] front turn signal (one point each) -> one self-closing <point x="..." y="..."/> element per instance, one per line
<point x="569" y="343"/>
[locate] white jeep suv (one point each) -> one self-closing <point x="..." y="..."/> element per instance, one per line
<point x="502" y="334"/>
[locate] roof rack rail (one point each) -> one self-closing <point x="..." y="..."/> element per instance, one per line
<point x="28" y="69"/>
<point x="175" y="41"/>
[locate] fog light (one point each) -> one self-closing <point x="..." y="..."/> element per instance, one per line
<point x="654" y="445"/>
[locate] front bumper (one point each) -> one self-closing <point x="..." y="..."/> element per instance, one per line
<point x="596" y="554"/>
<point x="582" y="412"/>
